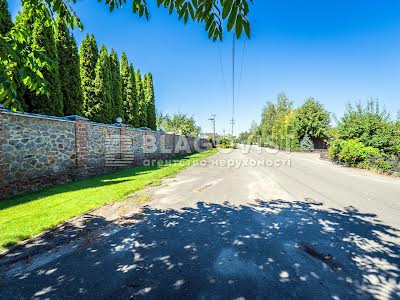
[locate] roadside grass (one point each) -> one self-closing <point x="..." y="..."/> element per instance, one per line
<point x="27" y="215"/>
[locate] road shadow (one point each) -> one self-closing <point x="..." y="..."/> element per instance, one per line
<point x="270" y="249"/>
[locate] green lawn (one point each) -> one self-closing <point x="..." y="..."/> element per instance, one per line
<point x="24" y="216"/>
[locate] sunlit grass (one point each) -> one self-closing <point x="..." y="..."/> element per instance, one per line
<point x="27" y="215"/>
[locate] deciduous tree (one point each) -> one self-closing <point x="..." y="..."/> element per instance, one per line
<point x="312" y="119"/>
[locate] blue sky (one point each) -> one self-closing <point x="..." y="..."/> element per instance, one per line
<point x="337" y="51"/>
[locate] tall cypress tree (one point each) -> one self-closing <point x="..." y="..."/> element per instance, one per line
<point x="68" y="62"/>
<point x="5" y="18"/>
<point x="26" y="21"/>
<point x="116" y="86"/>
<point x="89" y="55"/>
<point x="101" y="109"/>
<point x="51" y="104"/>
<point x="134" y="112"/>
<point x="141" y="101"/>
<point x="129" y="95"/>
<point x="127" y="89"/>
<point x="150" y="101"/>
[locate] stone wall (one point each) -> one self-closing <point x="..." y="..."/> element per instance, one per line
<point x="38" y="151"/>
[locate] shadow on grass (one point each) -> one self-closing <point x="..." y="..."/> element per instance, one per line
<point x="271" y="249"/>
<point x="107" y="179"/>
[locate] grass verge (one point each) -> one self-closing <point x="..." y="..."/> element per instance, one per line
<point x="25" y="216"/>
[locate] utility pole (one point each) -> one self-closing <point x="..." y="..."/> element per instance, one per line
<point x="212" y="119"/>
<point x="232" y="122"/>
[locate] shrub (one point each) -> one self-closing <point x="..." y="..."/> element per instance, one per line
<point x="368" y="153"/>
<point x="353" y="152"/>
<point x="383" y="165"/>
<point x="335" y="148"/>
<point x="306" y="144"/>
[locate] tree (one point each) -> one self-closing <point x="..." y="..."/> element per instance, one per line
<point x="150" y="103"/>
<point x="51" y="103"/>
<point x="268" y="118"/>
<point x="116" y="87"/>
<point x="306" y="143"/>
<point x="129" y="101"/>
<point x="89" y="54"/>
<point x="283" y="107"/>
<point x="179" y="124"/>
<point x="101" y="109"/>
<point x="5" y="18"/>
<point x="140" y="100"/>
<point x="68" y="63"/>
<point x="134" y="111"/>
<point x="312" y="119"/>
<point x="368" y="123"/>
<point x="18" y="63"/>
<point x="127" y="90"/>
<point x="24" y="63"/>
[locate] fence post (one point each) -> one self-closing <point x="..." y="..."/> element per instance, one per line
<point x="81" y="142"/>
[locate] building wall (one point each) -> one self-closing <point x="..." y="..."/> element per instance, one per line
<point x="38" y="151"/>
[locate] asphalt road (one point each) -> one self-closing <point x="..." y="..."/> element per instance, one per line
<point x="241" y="226"/>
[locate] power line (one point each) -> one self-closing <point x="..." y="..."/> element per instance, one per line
<point x="222" y="71"/>
<point x="241" y="69"/>
<point x="233" y="84"/>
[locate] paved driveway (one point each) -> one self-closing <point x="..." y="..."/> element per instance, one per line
<point x="302" y="228"/>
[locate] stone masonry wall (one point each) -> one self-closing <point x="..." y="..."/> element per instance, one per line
<point x="38" y="151"/>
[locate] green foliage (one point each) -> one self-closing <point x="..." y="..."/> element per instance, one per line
<point x="227" y="141"/>
<point x="128" y="92"/>
<point x="179" y="124"/>
<point x="101" y="109"/>
<point x="25" y="216"/>
<point x="368" y="123"/>
<point x="116" y="85"/>
<point x="268" y="118"/>
<point x="283" y="126"/>
<point x="89" y="55"/>
<point x="5" y="18"/>
<point x="211" y="13"/>
<point x="354" y="152"/>
<point x="22" y="63"/>
<point x="382" y="165"/>
<point x="134" y="106"/>
<point x="312" y="119"/>
<point x="68" y="64"/>
<point x="306" y="144"/>
<point x="279" y="134"/>
<point x="140" y="100"/>
<point x="51" y="103"/>
<point x="250" y="137"/>
<point x="367" y="138"/>
<point x="19" y="65"/>
<point x="335" y="148"/>
<point x="150" y="101"/>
